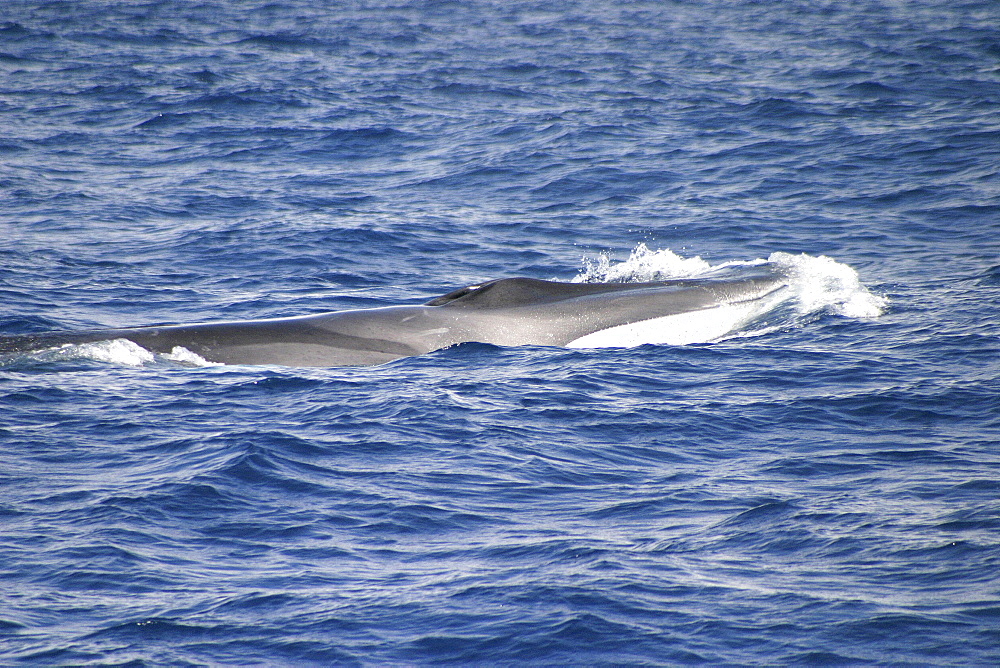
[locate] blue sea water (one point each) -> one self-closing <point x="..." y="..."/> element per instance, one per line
<point x="820" y="489"/>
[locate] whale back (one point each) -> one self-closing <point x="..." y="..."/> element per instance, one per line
<point x="509" y="311"/>
<point x="517" y="292"/>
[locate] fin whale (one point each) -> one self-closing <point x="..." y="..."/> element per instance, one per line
<point x="506" y="312"/>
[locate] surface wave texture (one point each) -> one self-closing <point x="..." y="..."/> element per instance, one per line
<point x="815" y="482"/>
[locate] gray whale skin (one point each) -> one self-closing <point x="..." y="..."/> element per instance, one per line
<point x="506" y="312"/>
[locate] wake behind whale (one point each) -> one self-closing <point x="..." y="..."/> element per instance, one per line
<point x="708" y="304"/>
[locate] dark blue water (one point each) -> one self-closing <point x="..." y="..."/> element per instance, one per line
<point x="823" y="488"/>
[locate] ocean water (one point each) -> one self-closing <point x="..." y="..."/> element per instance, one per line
<point x="813" y="483"/>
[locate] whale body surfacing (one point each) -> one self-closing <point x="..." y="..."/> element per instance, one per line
<point x="505" y="312"/>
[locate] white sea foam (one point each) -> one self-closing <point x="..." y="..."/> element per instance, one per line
<point x="643" y="265"/>
<point x="185" y="357"/>
<point x="823" y="283"/>
<point x="122" y="352"/>
<point x="117" y="351"/>
<point x="814" y="284"/>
